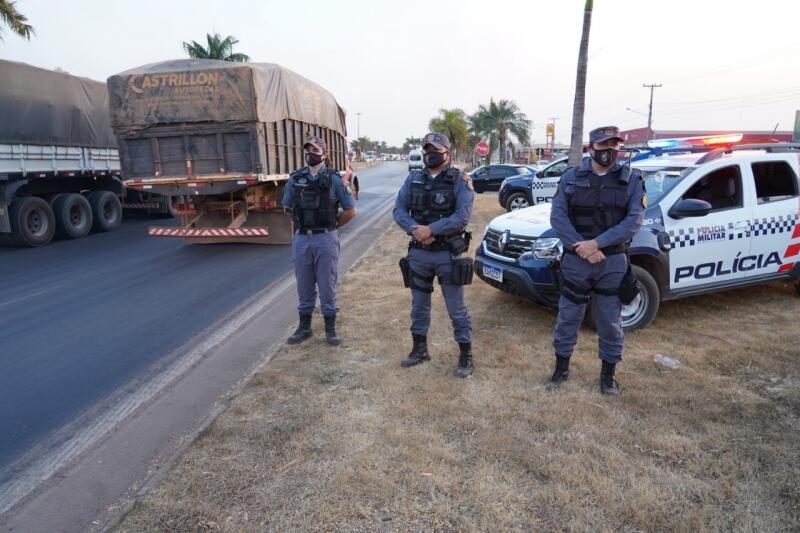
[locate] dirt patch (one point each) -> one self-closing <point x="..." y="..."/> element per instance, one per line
<point x="345" y="439"/>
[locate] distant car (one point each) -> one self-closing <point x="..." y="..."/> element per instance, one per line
<point x="525" y="190"/>
<point x="415" y="160"/>
<point x="489" y="177"/>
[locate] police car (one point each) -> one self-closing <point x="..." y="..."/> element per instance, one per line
<point x="724" y="219"/>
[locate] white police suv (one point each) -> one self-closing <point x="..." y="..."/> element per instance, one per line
<point x="720" y="220"/>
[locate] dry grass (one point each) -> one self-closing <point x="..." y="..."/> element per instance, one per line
<point x="344" y="439"/>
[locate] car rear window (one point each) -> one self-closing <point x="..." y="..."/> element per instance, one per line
<point x="416" y="157"/>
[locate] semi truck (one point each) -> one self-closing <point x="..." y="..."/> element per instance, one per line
<point x="59" y="166"/>
<point x="221" y="139"/>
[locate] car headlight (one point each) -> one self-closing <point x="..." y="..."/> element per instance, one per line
<point x="550" y="248"/>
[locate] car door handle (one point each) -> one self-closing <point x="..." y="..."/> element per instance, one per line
<point x="742" y="224"/>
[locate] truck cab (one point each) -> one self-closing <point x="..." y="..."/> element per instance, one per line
<point x="715" y="221"/>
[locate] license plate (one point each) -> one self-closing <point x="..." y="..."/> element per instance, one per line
<point x="492" y="272"/>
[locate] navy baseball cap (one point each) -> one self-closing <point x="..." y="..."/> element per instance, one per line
<point x="316" y="141"/>
<point x="439" y="140"/>
<point x="604" y="133"/>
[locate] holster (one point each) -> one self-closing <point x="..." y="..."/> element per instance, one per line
<point x="630" y="287"/>
<point x="462" y="270"/>
<point x="405" y="269"/>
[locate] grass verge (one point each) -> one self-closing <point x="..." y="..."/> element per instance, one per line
<point x="345" y="439"/>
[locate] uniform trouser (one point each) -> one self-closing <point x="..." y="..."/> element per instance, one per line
<point x="316" y="265"/>
<point x="605" y="275"/>
<point x="427" y="265"/>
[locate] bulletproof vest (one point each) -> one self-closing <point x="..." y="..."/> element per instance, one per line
<point x="312" y="204"/>
<point x="597" y="203"/>
<point x="432" y="199"/>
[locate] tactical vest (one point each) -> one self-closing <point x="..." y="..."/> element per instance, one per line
<point x="432" y="199"/>
<point x="313" y="208"/>
<point x="597" y="204"/>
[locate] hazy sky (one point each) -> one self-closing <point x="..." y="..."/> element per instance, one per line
<point x="724" y="64"/>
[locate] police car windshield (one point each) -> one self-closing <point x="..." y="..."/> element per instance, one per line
<point x="415" y="157"/>
<point x="659" y="181"/>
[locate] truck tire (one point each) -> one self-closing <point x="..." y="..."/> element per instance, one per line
<point x="639" y="313"/>
<point x="518" y="200"/>
<point x="73" y="216"/>
<point x="32" y="221"/>
<point x="107" y="210"/>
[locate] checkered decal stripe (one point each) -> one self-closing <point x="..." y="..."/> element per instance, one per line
<point x="773" y="225"/>
<point x="542" y="185"/>
<point x="682" y="238"/>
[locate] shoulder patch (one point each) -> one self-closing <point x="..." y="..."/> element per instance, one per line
<point x="468" y="181"/>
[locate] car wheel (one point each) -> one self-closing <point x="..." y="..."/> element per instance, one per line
<point x="518" y="200"/>
<point x="73" y="216"/>
<point x="107" y="210"/>
<point x="642" y="310"/>
<point x="32" y="221"/>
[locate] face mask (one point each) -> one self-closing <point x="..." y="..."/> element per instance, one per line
<point x="313" y="159"/>
<point x="605" y="158"/>
<point x="433" y="159"/>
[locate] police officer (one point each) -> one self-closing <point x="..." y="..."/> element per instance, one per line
<point x="596" y="212"/>
<point x="434" y="207"/>
<point x="314" y="194"/>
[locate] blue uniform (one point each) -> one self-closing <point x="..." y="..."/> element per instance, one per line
<point x="580" y="279"/>
<point x="316" y="256"/>
<point x="428" y="264"/>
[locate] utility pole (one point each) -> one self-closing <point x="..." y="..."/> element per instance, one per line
<point x="652" y="87"/>
<point x="358" y="128"/>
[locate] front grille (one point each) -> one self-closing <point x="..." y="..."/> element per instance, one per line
<point x="515" y="246"/>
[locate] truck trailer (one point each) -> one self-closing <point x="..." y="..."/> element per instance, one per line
<point x="221" y="138"/>
<point x="59" y="166"/>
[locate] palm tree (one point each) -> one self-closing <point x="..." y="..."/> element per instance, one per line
<point x="218" y="48"/>
<point x="453" y="123"/>
<point x="576" y="142"/>
<point x="9" y="16"/>
<point x="411" y="143"/>
<point x="498" y="121"/>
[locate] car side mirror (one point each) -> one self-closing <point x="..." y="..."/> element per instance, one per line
<point x="690" y="207"/>
<point x="540" y="174"/>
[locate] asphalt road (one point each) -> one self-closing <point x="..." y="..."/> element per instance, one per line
<point x="80" y="320"/>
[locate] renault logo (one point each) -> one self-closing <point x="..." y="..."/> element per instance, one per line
<point x="502" y="240"/>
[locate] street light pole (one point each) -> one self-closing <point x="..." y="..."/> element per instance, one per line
<point x="358" y="128"/>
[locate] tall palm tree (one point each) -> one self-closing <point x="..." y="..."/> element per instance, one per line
<point x="498" y="121"/>
<point x="218" y="48"/>
<point x="576" y="142"/>
<point x="453" y="123"/>
<point x="9" y="16"/>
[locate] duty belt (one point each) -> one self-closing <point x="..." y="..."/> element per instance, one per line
<point x="435" y="246"/>
<point x="608" y="250"/>
<point x="314" y="231"/>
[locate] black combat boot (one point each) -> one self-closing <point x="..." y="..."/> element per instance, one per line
<point x="302" y="332"/>
<point x="464" y="369"/>
<point x="419" y="353"/>
<point x="560" y="374"/>
<point x="608" y="385"/>
<point x="330" y="331"/>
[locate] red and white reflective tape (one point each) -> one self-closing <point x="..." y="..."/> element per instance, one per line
<point x="792" y="252"/>
<point x="208" y="232"/>
<point x="153" y="205"/>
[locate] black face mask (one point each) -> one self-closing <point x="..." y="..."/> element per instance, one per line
<point x="605" y="158"/>
<point x="433" y="159"/>
<point x="313" y="159"/>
